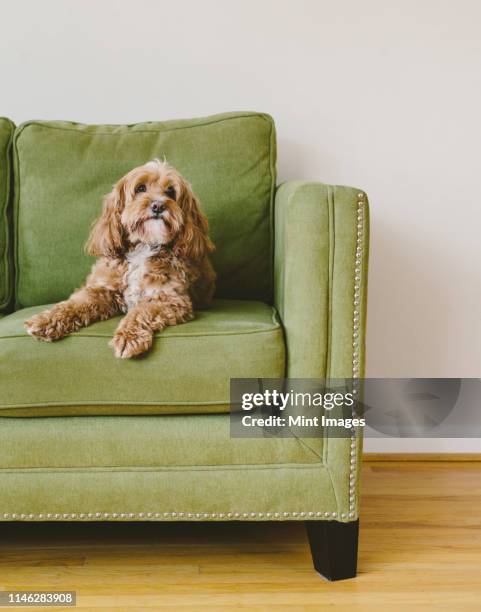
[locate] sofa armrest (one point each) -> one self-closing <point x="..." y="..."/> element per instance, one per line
<point x="320" y="277"/>
<point x="320" y="289"/>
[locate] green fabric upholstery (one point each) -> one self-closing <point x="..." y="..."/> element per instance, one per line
<point x="188" y="369"/>
<point x="149" y="442"/>
<point x="6" y="135"/>
<point x="155" y="467"/>
<point x="247" y="493"/>
<point x="63" y="170"/>
<point x="321" y="231"/>
<point x="315" y="251"/>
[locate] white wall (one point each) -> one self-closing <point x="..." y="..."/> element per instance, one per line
<point x="377" y="94"/>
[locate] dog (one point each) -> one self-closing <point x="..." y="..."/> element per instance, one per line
<point x="152" y="242"/>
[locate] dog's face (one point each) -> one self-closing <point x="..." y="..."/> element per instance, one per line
<point x="151" y="213"/>
<point x="152" y="204"/>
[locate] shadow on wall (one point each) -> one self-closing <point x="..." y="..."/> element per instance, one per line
<point x="412" y="329"/>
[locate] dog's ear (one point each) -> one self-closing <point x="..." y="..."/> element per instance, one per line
<point x="106" y="237"/>
<point x="193" y="239"/>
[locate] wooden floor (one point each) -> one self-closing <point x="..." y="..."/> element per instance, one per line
<point x="420" y="549"/>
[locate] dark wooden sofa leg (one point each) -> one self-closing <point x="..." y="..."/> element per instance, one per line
<point x="334" y="548"/>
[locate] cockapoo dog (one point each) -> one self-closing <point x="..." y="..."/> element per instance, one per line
<point x="152" y="242"/>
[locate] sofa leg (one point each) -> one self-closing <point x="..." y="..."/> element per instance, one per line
<point x="334" y="548"/>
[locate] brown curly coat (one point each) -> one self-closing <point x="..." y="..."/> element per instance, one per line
<point x="152" y="242"/>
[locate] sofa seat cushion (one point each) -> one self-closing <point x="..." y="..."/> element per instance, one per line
<point x="63" y="169"/>
<point x="188" y="369"/>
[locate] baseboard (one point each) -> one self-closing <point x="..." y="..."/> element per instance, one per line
<point x="369" y="457"/>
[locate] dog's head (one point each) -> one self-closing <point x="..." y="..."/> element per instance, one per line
<point x="152" y="204"/>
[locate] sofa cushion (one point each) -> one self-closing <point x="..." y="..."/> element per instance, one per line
<point x="63" y="170"/>
<point x="187" y="371"/>
<point x="6" y="134"/>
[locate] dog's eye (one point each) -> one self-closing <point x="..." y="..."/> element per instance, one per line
<point x="170" y="193"/>
<point x="140" y="188"/>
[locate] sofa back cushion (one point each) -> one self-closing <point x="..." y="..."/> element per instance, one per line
<point x="6" y="134"/>
<point x="63" y="169"/>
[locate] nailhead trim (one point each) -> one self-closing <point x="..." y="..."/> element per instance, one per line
<point x="356" y="348"/>
<point x="166" y="515"/>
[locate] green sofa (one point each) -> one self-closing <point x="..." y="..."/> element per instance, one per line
<point x="88" y="437"/>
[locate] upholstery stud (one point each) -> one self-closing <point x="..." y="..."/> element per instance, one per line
<point x="355" y="344"/>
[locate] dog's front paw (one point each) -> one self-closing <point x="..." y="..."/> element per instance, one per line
<point x="46" y="326"/>
<point x="130" y="342"/>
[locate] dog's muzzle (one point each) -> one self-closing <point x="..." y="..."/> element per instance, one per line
<point x="157" y="208"/>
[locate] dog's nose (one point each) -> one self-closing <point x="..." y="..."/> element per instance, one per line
<point x="157" y="207"/>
